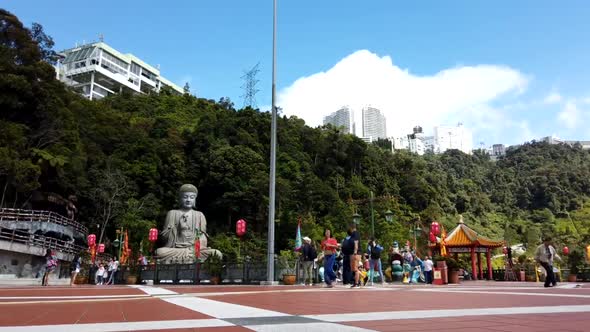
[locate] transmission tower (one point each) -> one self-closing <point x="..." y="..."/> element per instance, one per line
<point x="249" y="86"/>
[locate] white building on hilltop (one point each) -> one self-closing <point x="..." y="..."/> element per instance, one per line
<point x="449" y="138"/>
<point x="374" y="126"/>
<point x="416" y="142"/>
<point x="556" y="140"/>
<point x="98" y="70"/>
<point x="342" y="119"/>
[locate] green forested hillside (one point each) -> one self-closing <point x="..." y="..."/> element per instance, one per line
<point x="125" y="156"/>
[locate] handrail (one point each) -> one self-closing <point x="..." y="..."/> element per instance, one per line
<point x="39" y="241"/>
<point x="40" y="216"/>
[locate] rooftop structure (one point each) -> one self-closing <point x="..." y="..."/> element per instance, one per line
<point x="97" y="70"/>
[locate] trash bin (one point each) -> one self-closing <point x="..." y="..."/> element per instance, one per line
<point x="437" y="277"/>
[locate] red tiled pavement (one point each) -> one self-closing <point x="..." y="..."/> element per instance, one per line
<point x="94" y="312"/>
<point x="351" y="301"/>
<point x="69" y="291"/>
<point x="224" y="289"/>
<point x="577" y="322"/>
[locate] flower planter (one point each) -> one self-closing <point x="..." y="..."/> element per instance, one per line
<point x="289" y="279"/>
<point x="81" y="280"/>
<point x="131" y="280"/>
<point x="453" y="277"/>
<point x="572" y="277"/>
<point x="215" y="280"/>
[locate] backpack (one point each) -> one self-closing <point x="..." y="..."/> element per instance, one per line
<point x="376" y="251"/>
<point x="348" y="246"/>
<point x="313" y="254"/>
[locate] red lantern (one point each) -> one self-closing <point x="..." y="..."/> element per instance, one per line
<point x="101" y="248"/>
<point x="435" y="228"/>
<point x="91" y="240"/>
<point x="153" y="235"/>
<point x="432" y="237"/>
<point x="197" y="248"/>
<point x="241" y="227"/>
<point x="566" y="250"/>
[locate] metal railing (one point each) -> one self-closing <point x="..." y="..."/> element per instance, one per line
<point x="40" y="241"/>
<point x="40" y="216"/>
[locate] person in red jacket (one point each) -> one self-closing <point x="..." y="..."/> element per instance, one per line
<point x="329" y="246"/>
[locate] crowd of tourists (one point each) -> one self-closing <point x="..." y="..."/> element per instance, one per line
<point x="350" y="263"/>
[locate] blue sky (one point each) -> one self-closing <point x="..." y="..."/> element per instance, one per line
<point x="516" y="70"/>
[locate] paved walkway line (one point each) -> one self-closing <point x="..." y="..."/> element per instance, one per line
<point x="221" y="310"/>
<point x="418" y="314"/>
<point x="77" y="297"/>
<point x="151" y="291"/>
<point x="308" y="327"/>
<point x="314" y="290"/>
<point x="123" y="326"/>
<point x="547" y="294"/>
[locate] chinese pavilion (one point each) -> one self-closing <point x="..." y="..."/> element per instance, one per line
<point x="464" y="240"/>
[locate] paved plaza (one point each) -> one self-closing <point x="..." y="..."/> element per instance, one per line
<point x="470" y="306"/>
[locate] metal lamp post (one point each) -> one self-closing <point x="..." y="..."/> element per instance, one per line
<point x="270" y="265"/>
<point x="356" y="218"/>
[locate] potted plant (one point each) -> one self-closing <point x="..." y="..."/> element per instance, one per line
<point x="132" y="277"/>
<point x="573" y="262"/>
<point x="522" y="266"/>
<point x="214" y="266"/>
<point x="287" y="263"/>
<point x="453" y="267"/>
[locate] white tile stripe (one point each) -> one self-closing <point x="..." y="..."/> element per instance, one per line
<point x="505" y="293"/>
<point x="154" y="290"/>
<point x="308" y="327"/>
<point x="419" y="314"/>
<point x="124" y="326"/>
<point x="221" y="310"/>
<point x="77" y="297"/>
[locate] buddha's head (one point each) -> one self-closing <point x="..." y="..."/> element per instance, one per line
<point x="188" y="196"/>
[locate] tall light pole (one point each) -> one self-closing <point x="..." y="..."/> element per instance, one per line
<point x="270" y="265"/>
<point x="372" y="216"/>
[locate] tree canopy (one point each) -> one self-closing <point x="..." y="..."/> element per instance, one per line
<point x="125" y="156"/>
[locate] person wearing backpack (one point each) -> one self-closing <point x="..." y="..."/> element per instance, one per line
<point x="50" y="266"/>
<point x="308" y="255"/>
<point x="374" y="250"/>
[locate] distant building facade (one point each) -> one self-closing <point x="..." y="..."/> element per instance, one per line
<point x="342" y="119"/>
<point x="374" y="126"/>
<point x="97" y="70"/>
<point x="556" y="140"/>
<point x="449" y="138"/>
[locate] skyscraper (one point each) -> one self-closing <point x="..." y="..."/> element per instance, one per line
<point x="373" y="124"/>
<point x="343" y="119"/>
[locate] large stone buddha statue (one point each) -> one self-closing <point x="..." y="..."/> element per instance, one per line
<point x="181" y="229"/>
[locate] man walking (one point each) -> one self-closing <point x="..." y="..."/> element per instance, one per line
<point x="355" y="258"/>
<point x="308" y="255"/>
<point x="428" y="265"/>
<point x="544" y="255"/>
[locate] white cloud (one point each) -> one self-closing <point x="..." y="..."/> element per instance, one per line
<point x="363" y="78"/>
<point x="572" y="116"/>
<point x="553" y="98"/>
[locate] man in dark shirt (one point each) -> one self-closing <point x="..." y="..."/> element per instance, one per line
<point x="355" y="258"/>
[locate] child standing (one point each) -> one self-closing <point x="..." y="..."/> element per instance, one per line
<point x="100" y="274"/>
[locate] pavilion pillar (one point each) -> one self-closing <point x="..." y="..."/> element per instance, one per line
<point x="489" y="261"/>
<point x="480" y="271"/>
<point x="473" y="267"/>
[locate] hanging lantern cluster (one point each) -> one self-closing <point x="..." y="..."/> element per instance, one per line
<point x="241" y="227"/>
<point x="153" y="235"/>
<point x="566" y="251"/>
<point x="101" y="248"/>
<point x="91" y="240"/>
<point x="435" y="228"/>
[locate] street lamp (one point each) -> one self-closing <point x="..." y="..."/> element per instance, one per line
<point x="389" y="216"/>
<point x="356" y="218"/>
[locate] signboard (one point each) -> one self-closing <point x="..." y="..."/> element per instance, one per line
<point x="466" y="250"/>
<point x="437" y="274"/>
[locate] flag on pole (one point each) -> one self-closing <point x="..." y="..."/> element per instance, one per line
<point x="125" y="251"/>
<point x="443" y="238"/>
<point x="298" y="239"/>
